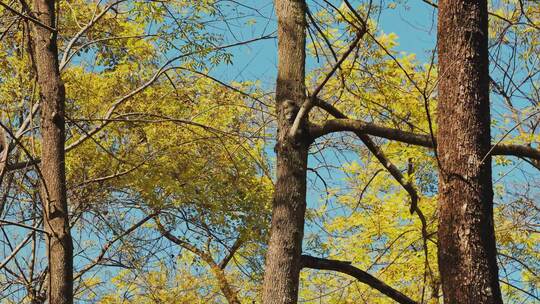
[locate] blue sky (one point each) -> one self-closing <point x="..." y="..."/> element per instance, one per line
<point x="414" y="23"/>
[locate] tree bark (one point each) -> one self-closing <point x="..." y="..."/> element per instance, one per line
<point x="467" y="252"/>
<point x="53" y="189"/>
<point x="281" y="277"/>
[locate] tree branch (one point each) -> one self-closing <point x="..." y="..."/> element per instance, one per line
<point x="26" y="17"/>
<point x="234" y="248"/>
<point x="373" y="148"/>
<point x="217" y="269"/>
<point x="9" y="223"/>
<point x="308" y="105"/>
<point x="108" y="245"/>
<point x="95" y="18"/>
<point x="17" y="249"/>
<point x="362" y="276"/>
<point x="352" y="125"/>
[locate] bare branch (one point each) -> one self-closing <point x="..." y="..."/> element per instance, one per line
<point x="337" y="125"/>
<point x="105" y="248"/>
<point x="17" y="249"/>
<point x="8" y="223"/>
<point x="373" y="148"/>
<point x="29" y="18"/>
<point x="237" y="244"/>
<point x="308" y="105"/>
<point x="360" y="275"/>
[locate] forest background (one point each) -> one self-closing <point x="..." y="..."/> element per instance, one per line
<point x="170" y="134"/>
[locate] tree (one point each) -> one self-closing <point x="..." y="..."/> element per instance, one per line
<point x="282" y="268"/>
<point x="113" y="69"/>
<point x="53" y="171"/>
<point x="167" y="183"/>
<point x="467" y="252"/>
<point x="362" y="130"/>
<point x="283" y="259"/>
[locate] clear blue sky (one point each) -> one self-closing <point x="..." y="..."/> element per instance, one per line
<point x="414" y="23"/>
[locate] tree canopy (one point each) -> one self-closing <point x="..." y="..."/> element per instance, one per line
<point x="265" y="152"/>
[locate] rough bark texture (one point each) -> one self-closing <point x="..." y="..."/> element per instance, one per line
<point x="289" y="204"/>
<point x="467" y="252"/>
<point x="53" y="190"/>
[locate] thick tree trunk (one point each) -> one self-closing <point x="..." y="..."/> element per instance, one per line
<point x="53" y="190"/>
<point x="289" y="204"/>
<point x="467" y="252"/>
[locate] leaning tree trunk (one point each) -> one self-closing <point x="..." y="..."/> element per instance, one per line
<point x="467" y="252"/>
<point x="289" y="204"/>
<point x="53" y="189"/>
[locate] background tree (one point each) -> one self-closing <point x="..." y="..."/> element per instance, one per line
<point x="59" y="246"/>
<point x="115" y="65"/>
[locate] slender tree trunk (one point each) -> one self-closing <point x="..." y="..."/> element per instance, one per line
<point x="53" y="189"/>
<point x="467" y="252"/>
<point x="289" y="204"/>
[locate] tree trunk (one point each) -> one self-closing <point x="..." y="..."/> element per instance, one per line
<point x="53" y="189"/>
<point x="467" y="252"/>
<point x="289" y="204"/>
